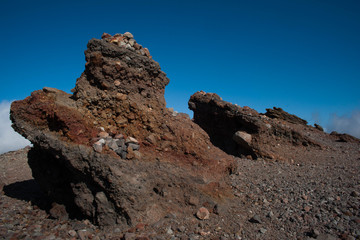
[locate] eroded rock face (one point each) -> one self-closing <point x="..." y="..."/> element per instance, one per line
<point x="281" y="114"/>
<point x="242" y="131"/>
<point x="118" y="103"/>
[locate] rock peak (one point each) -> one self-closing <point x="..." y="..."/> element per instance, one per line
<point x="121" y="68"/>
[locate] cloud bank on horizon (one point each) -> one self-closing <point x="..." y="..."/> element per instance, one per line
<point x="346" y="124"/>
<point x="9" y="139"/>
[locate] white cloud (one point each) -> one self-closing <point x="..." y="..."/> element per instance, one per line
<point x="346" y="124"/>
<point x="9" y="139"/>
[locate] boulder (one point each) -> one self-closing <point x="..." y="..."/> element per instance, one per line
<point x="243" y="139"/>
<point x="320" y="128"/>
<point x="99" y="151"/>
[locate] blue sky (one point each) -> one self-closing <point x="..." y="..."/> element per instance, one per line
<point x="301" y="55"/>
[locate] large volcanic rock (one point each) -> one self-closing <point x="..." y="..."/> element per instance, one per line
<point x="112" y="151"/>
<point x="242" y="131"/>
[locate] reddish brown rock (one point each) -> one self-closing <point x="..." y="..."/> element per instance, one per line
<point x="105" y="35"/>
<point x="203" y="213"/>
<point x="120" y="92"/>
<point x="244" y="132"/>
<point x="103" y="134"/>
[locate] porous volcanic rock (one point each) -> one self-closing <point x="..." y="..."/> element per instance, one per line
<point x="120" y="96"/>
<point x="281" y="114"/>
<point x="242" y="131"/>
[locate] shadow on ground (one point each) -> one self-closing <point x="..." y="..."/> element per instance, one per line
<point x="28" y="190"/>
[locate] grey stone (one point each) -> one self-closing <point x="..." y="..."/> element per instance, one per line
<point x="123" y="155"/>
<point x="270" y="214"/>
<point x="181" y="229"/>
<point x="119" y="151"/>
<point x="97" y="147"/>
<point x="242" y="138"/>
<point x="128" y="35"/>
<point x="151" y="139"/>
<point x="106" y="212"/>
<point x="72" y="233"/>
<point x="132" y="42"/>
<point x="131" y="140"/>
<point x="134" y="146"/>
<point x="121" y="143"/>
<point x="314" y="233"/>
<point x="128" y="46"/>
<point x="113" y="145"/>
<point x="262" y="230"/>
<point x="137" y="155"/>
<point x="169" y="231"/>
<point x="255" y="219"/>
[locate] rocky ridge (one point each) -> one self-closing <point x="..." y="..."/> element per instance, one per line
<point x="243" y="132"/>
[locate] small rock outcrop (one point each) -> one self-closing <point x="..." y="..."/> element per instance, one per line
<point x="111" y="151"/>
<point x="242" y="131"/>
<point x="281" y="114"/>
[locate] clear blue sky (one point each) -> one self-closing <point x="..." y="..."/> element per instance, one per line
<point x="301" y="55"/>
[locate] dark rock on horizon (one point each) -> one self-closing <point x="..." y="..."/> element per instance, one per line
<point x="281" y="114"/>
<point x="242" y="131"/>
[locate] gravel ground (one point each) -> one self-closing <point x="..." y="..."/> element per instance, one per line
<point x="316" y="198"/>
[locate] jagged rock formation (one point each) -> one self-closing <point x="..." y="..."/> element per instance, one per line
<point x="242" y="131"/>
<point x="281" y="114"/>
<point x="119" y="101"/>
<point x="343" y="137"/>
